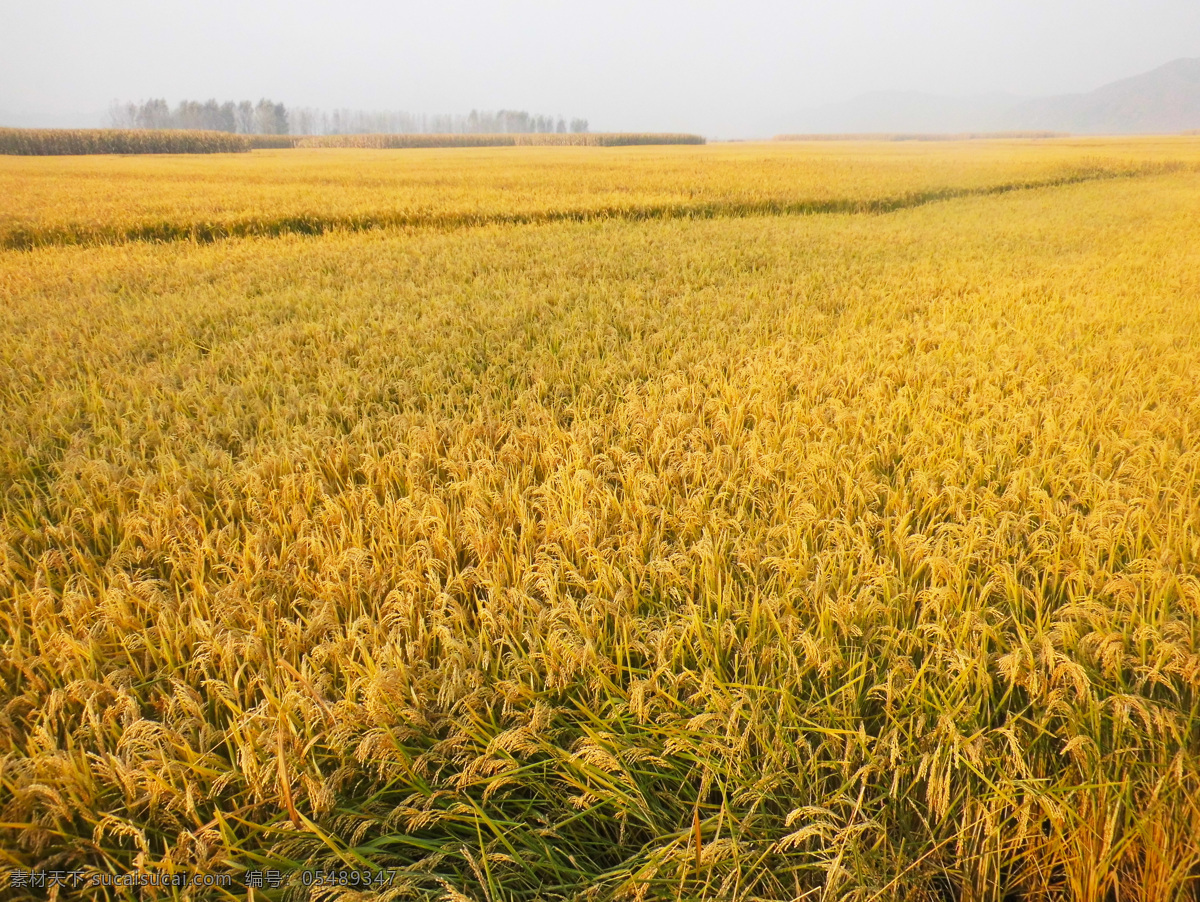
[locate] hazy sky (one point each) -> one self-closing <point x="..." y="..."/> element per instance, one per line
<point x="720" y="68"/>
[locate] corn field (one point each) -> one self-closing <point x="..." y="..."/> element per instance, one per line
<point x="81" y="141"/>
<point x="73" y="141"/>
<point x="532" y="139"/>
<point x="273" y="142"/>
<point x="737" y="522"/>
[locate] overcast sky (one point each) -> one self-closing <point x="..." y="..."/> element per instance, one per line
<point x="723" y="69"/>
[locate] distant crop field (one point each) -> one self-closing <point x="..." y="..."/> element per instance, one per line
<point x="749" y="522"/>
<point x="107" y="199"/>
<point x="585" y="139"/>
<point x="77" y="141"/>
<point x="90" y="141"/>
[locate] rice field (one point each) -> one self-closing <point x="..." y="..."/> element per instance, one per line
<point x="748" y="522"/>
<point x="105" y="199"/>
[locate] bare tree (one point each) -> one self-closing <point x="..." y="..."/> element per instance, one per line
<point x="123" y="115"/>
<point x="244" y="118"/>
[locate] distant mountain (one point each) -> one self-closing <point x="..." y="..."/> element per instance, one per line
<point x="1166" y="100"/>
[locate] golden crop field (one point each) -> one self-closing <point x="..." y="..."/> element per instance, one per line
<point x="90" y="199"/>
<point x="747" y="522"/>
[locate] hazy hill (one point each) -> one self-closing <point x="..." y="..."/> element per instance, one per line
<point x="1165" y="100"/>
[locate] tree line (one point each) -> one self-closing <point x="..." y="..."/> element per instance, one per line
<point x="308" y="121"/>
<point x="269" y="118"/>
<point x="246" y="118"/>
